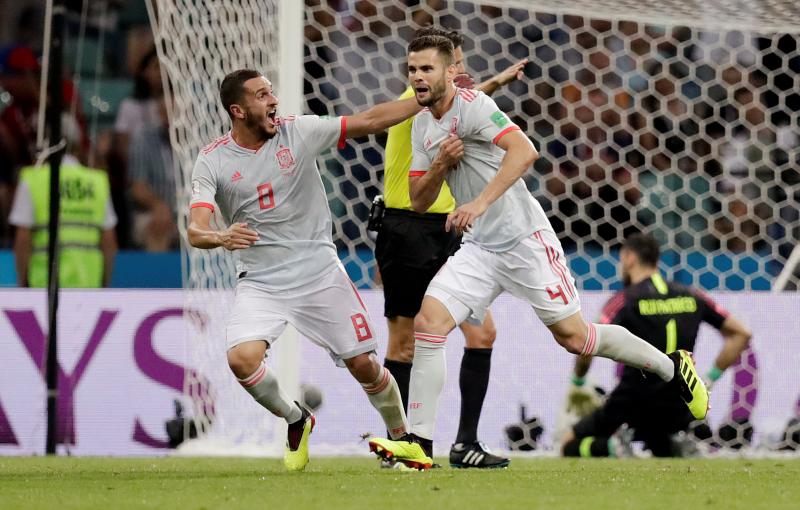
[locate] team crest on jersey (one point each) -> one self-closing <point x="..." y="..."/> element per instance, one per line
<point x="285" y="160"/>
<point x="454" y="126"/>
<point x="428" y="143"/>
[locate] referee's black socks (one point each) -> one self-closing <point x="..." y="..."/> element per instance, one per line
<point x="401" y="371"/>
<point x="473" y="382"/>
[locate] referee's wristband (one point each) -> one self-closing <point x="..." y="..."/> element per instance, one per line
<point x="715" y="373"/>
<point x="578" y="381"/>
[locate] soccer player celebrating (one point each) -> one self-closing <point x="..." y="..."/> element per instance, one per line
<point x="264" y="179"/>
<point x="462" y="137"/>
<point x="410" y="249"/>
<point x="668" y="315"/>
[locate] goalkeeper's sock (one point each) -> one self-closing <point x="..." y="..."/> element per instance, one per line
<point x="588" y="447"/>
<point x="473" y="381"/>
<point x="384" y="396"/>
<point x="427" y="381"/>
<point x="263" y="386"/>
<point x="617" y="343"/>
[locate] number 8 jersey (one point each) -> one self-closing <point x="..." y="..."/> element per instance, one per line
<point x="277" y="191"/>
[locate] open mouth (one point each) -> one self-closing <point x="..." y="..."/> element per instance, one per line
<point x="422" y="90"/>
<point x="271" y="117"/>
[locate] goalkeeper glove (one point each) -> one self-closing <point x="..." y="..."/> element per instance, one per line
<point x="582" y="399"/>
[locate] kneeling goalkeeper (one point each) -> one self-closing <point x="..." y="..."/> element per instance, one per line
<point x="667" y="315"/>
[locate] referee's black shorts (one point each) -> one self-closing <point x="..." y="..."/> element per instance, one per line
<point x="410" y="249"/>
<point x="653" y="415"/>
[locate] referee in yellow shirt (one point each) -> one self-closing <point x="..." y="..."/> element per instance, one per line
<point x="410" y="249"/>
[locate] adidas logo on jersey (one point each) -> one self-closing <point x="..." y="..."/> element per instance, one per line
<point x="237" y="176"/>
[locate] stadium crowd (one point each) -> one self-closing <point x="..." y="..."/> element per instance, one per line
<point x="615" y="158"/>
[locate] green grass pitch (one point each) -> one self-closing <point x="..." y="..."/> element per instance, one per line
<point x="352" y="483"/>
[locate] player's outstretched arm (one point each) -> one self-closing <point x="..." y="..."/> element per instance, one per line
<point x="201" y="235"/>
<point x="737" y="338"/>
<point x="381" y="117"/>
<point x="520" y="155"/>
<point x="582" y="399"/>
<point x="582" y="366"/>
<point x="424" y="189"/>
<point x="511" y="73"/>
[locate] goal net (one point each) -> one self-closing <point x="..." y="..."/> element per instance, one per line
<point x="198" y="43"/>
<point x="676" y="117"/>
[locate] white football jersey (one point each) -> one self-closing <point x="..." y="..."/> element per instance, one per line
<point x="476" y="120"/>
<point x="277" y="191"/>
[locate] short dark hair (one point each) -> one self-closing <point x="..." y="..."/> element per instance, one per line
<point x="455" y="38"/>
<point x="232" y="86"/>
<point x="441" y="44"/>
<point x="645" y="247"/>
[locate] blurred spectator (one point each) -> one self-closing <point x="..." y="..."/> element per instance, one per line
<point x="138" y="112"/>
<point x="141" y="110"/>
<point x="6" y="173"/>
<point x="736" y="228"/>
<point x="152" y="190"/>
<point x="19" y="109"/>
<point x="19" y="76"/>
<point x="86" y="233"/>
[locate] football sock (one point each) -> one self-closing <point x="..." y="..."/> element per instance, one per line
<point x="384" y="396"/>
<point x="617" y="343"/>
<point x="263" y="386"/>
<point x="588" y="447"/>
<point x="427" y="381"/>
<point x="401" y="371"/>
<point x="473" y="381"/>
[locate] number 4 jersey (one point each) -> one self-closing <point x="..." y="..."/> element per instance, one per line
<point x="277" y="191"/>
<point x="476" y="120"/>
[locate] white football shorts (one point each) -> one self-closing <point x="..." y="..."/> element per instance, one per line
<point x="329" y="312"/>
<point x="535" y="270"/>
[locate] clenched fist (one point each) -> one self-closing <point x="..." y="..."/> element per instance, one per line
<point x="450" y="152"/>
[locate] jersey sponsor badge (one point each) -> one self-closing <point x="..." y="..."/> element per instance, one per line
<point x="195" y="189"/>
<point x="285" y="160"/>
<point x="499" y="119"/>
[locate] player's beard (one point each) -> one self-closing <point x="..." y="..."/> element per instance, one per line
<point x="255" y="124"/>
<point x="436" y="92"/>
